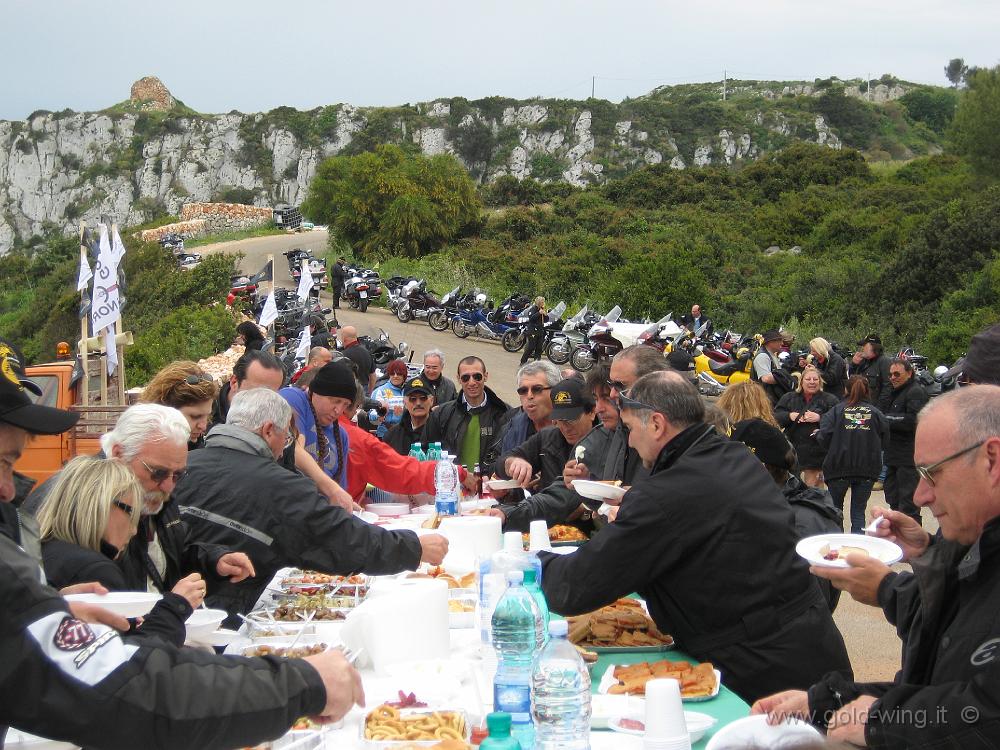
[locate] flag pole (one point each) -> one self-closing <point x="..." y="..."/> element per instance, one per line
<point x="85" y="390"/>
<point x="270" y="326"/>
<point x="118" y="346"/>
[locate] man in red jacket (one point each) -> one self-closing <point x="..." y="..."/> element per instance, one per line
<point x="370" y="461"/>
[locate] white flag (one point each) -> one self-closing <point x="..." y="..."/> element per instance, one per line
<point x="270" y="312"/>
<point x="106" y="308"/>
<point x="305" y="344"/>
<point x="111" y="349"/>
<point x="305" y="281"/>
<point x="83" y="279"/>
<point x="117" y="246"/>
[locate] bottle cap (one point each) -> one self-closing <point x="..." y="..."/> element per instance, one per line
<point x="558" y="628"/>
<point x="498" y="723"/>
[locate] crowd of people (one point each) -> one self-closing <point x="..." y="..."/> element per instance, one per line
<point x="202" y="493"/>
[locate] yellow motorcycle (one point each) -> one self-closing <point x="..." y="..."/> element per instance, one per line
<point x="734" y="371"/>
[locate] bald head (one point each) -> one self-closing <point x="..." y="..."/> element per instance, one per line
<point x="348" y="334"/>
<point x="319" y="356"/>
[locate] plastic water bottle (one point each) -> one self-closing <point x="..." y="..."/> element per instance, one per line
<point x="446" y="488"/>
<point x="434" y="451"/>
<point x="498" y="724"/>
<point x="493" y="579"/>
<point x="515" y="642"/>
<point x="417" y="452"/>
<point x="542" y="625"/>
<point x="560" y="694"/>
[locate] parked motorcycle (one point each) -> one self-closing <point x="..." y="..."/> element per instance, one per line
<point x="187" y="261"/>
<point x="574" y="333"/>
<point x="440" y="317"/>
<point x="479" y="320"/>
<point x="361" y="287"/>
<point x="600" y="344"/>
<point x="514" y="339"/>
<point x="393" y="290"/>
<point x="382" y="349"/>
<point x="416" y="302"/>
<point x="173" y="242"/>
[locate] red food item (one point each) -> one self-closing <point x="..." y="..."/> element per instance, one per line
<point x="832" y="555"/>
<point x="633" y="724"/>
<point x="407" y="701"/>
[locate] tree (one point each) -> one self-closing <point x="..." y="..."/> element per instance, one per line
<point x="955" y="71"/>
<point x="974" y="129"/>
<point x="935" y="107"/>
<point x="393" y="201"/>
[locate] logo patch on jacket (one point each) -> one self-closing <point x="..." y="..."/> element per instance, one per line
<point x="986" y="652"/>
<point x="72" y="635"/>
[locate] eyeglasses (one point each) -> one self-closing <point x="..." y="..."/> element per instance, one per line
<point x="195" y="379"/>
<point x="477" y="376"/>
<point x="535" y="390"/>
<point x="416" y="397"/>
<point x="616" y="385"/>
<point x="927" y="472"/>
<point x="624" y="402"/>
<point x="160" y="475"/>
<point x="289" y="437"/>
<point x="895" y="375"/>
<point x="121" y="505"/>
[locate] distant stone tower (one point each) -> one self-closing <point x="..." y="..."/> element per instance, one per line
<point x="150" y="93"/>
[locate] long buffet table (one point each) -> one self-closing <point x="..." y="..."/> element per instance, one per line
<point x="465" y="682"/>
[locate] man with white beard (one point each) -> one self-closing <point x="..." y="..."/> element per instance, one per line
<point x="152" y="441"/>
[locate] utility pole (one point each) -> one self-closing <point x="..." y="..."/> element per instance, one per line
<point x="724" y="84"/>
<point x="593" y="85"/>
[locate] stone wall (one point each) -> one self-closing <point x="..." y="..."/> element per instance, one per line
<point x="150" y="93"/>
<point x="186" y="229"/>
<point x="227" y="217"/>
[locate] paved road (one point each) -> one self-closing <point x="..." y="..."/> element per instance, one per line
<point x="872" y="642"/>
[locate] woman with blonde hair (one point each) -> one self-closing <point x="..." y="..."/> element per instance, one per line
<point x="746" y="400"/>
<point x="798" y="414"/>
<point x="832" y="367"/>
<point x="87" y="520"/>
<point x="189" y="389"/>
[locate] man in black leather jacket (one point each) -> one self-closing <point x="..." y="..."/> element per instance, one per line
<point x="908" y="397"/>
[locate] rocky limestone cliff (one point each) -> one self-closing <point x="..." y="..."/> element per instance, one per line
<point x="135" y="161"/>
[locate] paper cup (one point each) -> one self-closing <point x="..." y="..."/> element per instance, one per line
<point x="665" y="712"/>
<point x="538" y="536"/>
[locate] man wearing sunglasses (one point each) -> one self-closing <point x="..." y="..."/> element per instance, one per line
<point x="535" y="381"/>
<point x="418" y="400"/>
<point x="708" y="540"/>
<point x="948" y="619"/>
<point x="907" y="399"/>
<point x="469" y="426"/>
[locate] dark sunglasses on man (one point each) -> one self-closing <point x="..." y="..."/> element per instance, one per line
<point x="160" y="474"/>
<point x="477" y="376"/>
<point x="415" y="398"/>
<point x="534" y="390"/>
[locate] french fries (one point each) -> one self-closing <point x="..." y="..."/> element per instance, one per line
<point x="386" y="723"/>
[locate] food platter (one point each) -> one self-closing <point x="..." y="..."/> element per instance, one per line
<point x="501" y="484"/>
<point x="599" y="490"/>
<point x="819" y="549"/>
<point x="609" y="682"/>
<point x="620" y="628"/>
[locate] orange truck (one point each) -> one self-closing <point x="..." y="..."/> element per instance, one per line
<point x="46" y="454"/>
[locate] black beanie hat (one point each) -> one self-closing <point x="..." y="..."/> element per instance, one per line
<point x="335" y="379"/>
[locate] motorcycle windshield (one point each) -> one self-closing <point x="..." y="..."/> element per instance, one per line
<point x="613" y="314"/>
<point x="557" y="312"/>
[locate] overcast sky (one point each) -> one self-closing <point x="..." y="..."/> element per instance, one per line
<point x="253" y="55"/>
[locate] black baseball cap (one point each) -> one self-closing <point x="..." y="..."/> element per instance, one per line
<point x="871" y="338"/>
<point x="766" y="442"/>
<point x="417" y="385"/>
<point x="568" y="398"/>
<point x="17" y="408"/>
<point x="982" y="363"/>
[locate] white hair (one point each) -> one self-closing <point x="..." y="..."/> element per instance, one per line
<point x="434" y="353"/>
<point x="540" y="367"/>
<point x="252" y="408"/>
<point x="142" y="424"/>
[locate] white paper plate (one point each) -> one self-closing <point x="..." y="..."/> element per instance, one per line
<point x="697" y="724"/>
<point x="604" y="707"/>
<point x="597" y="490"/>
<point x="880" y="549"/>
<point x="18" y="739"/>
<point x="614" y="741"/>
<point x="366" y="515"/>
<point x="223" y="637"/>
<point x="124" y="603"/>
<point x="203" y="622"/>
<point x="754" y="731"/>
<point x="608" y="680"/>
<point x="501" y="484"/>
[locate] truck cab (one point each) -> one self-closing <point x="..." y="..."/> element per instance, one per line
<point x="44" y="455"/>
